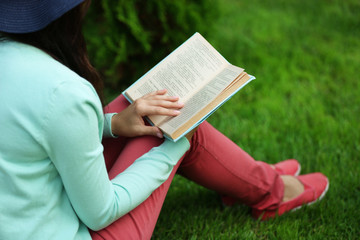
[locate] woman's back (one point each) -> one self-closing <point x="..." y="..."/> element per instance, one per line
<point x="32" y="193"/>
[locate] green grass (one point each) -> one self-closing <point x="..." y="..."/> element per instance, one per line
<point x="304" y="104"/>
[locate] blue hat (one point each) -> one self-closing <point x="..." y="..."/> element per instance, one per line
<point x="25" y="16"/>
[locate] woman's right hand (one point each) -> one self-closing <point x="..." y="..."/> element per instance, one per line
<point x="130" y="123"/>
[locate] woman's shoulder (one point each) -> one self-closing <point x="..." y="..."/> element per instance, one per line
<point x="22" y="60"/>
<point x="31" y="77"/>
<point x="29" y="67"/>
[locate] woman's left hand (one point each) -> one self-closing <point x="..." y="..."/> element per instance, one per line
<point x="130" y="123"/>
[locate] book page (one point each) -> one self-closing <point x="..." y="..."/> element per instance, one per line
<point x="235" y="86"/>
<point x="202" y="98"/>
<point x="184" y="71"/>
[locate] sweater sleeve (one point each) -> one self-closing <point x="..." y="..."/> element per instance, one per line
<point x="72" y="133"/>
<point x="107" y="125"/>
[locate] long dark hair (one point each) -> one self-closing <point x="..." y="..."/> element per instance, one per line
<point x="64" y="41"/>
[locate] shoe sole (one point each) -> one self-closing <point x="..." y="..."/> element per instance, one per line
<point x="316" y="200"/>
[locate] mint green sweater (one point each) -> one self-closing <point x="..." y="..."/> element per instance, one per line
<point x="53" y="180"/>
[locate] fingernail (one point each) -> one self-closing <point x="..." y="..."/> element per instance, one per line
<point x="180" y="103"/>
<point x="176" y="111"/>
<point x="159" y="135"/>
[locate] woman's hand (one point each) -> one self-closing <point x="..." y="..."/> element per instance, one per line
<point x="130" y="123"/>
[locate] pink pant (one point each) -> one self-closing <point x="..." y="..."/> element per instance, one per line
<point x="213" y="161"/>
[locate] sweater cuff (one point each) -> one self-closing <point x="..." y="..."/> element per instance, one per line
<point x="175" y="150"/>
<point x="107" y="126"/>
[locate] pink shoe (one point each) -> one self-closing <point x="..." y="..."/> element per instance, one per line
<point x="286" y="167"/>
<point x="315" y="188"/>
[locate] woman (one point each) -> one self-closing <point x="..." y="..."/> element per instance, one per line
<point x="54" y="174"/>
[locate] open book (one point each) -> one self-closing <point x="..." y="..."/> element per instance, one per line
<point x="199" y="75"/>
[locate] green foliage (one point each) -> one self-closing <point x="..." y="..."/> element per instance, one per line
<point x="127" y="38"/>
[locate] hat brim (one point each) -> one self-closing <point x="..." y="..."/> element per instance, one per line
<point x="23" y="16"/>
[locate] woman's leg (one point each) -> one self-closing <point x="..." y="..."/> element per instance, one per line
<point x="217" y="163"/>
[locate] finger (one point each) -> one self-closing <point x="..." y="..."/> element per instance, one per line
<point x="165" y="104"/>
<point x="162" y="97"/>
<point x="161" y="111"/>
<point x="145" y="107"/>
<point x="158" y="92"/>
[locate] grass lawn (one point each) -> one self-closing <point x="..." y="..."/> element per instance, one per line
<point x="304" y="104"/>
